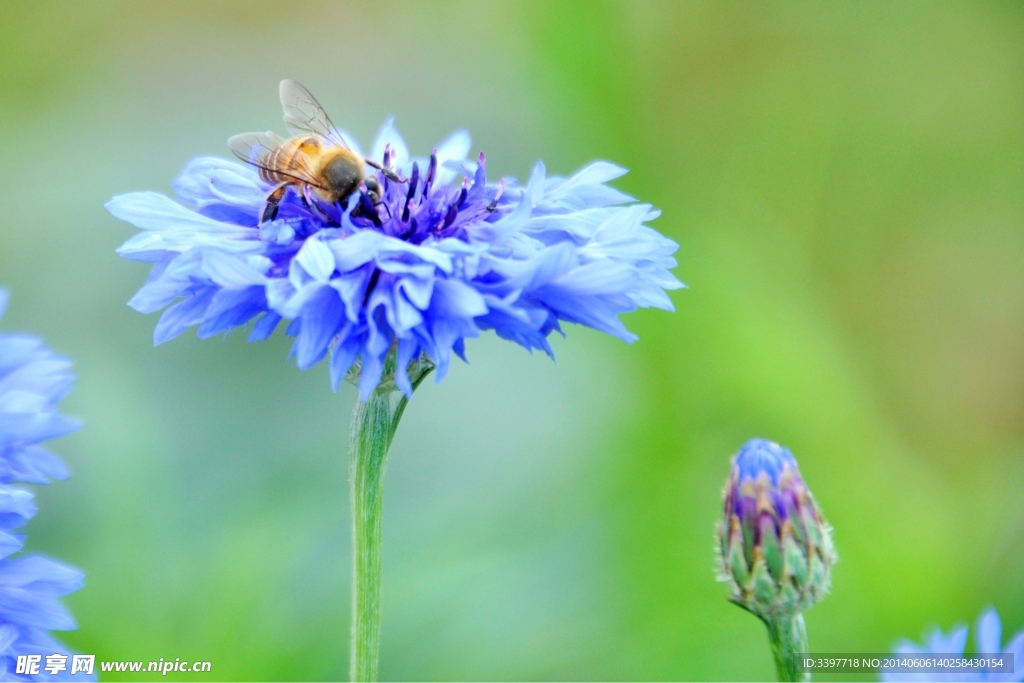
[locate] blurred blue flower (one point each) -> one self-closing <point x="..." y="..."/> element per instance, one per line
<point x="32" y="381"/>
<point x="435" y="263"/>
<point x="988" y="640"/>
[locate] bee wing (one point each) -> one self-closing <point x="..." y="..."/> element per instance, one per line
<point x="304" y="115"/>
<point x="256" y="148"/>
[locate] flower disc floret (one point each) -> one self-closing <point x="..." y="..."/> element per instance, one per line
<point x="442" y="257"/>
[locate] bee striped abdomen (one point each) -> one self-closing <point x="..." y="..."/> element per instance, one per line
<point x="293" y="154"/>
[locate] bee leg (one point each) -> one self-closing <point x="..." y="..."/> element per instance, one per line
<point x="273" y="203"/>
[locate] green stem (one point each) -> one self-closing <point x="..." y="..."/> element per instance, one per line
<point x="373" y="427"/>
<point x="788" y="636"/>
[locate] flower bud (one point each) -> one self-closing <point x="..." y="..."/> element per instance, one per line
<point x="775" y="546"/>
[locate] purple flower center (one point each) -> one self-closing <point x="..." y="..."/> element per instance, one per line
<point x="412" y="209"/>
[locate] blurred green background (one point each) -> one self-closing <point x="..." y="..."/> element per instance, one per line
<point x="846" y="182"/>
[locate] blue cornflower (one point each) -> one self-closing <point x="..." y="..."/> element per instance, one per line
<point x="988" y="640"/>
<point x="32" y="381"/>
<point x="435" y="261"/>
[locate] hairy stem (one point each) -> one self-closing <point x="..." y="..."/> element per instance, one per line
<point x="373" y="427"/>
<point x="788" y="636"/>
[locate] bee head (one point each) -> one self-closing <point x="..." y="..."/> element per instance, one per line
<point x="343" y="175"/>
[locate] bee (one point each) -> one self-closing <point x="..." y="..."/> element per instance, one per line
<point x="317" y="160"/>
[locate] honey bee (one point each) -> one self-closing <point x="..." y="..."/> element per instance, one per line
<point x="316" y="160"/>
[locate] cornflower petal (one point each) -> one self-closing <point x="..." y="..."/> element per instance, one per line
<point x="989" y="632"/>
<point x="988" y="641"/>
<point x="32" y="381"/>
<point x="388" y="136"/>
<point x="221" y="190"/>
<point x="452" y="152"/>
